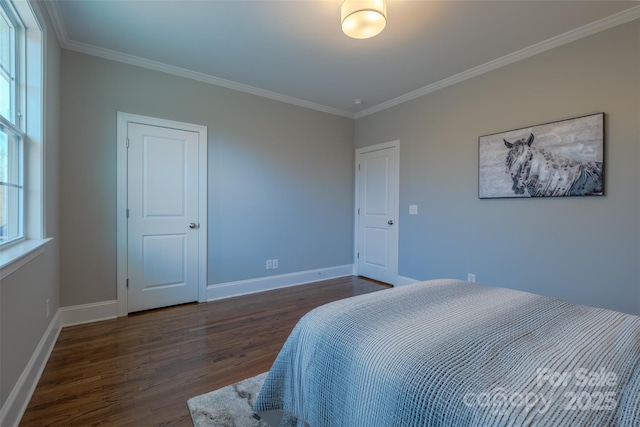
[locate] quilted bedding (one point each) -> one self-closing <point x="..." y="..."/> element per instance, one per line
<point x="453" y="353"/>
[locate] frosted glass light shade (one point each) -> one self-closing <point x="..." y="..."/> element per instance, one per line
<point x="362" y="19"/>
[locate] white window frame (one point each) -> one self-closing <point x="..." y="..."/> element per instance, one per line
<point x="14" y="184"/>
<point x="32" y="123"/>
<point x="17" y="66"/>
<point x="13" y="125"/>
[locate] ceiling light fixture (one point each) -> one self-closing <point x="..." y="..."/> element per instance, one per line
<point x="362" y="19"/>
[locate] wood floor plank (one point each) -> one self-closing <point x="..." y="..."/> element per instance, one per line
<point x="140" y="370"/>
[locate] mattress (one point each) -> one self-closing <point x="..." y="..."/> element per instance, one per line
<point x="452" y="353"/>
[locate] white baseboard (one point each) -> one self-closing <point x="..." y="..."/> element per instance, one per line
<point x="402" y="281"/>
<point x="13" y="409"/>
<point x="87" y="313"/>
<point x="260" y="284"/>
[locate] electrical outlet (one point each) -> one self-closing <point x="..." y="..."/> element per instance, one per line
<point x="471" y="277"/>
<point x="47" y="308"/>
<point x="275" y="264"/>
<point x="269" y="264"/>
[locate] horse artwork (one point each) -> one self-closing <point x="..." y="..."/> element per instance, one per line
<point x="562" y="158"/>
<point x="540" y="173"/>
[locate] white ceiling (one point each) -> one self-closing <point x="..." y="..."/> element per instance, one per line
<point x="295" y="50"/>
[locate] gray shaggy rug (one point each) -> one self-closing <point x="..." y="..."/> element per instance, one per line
<point x="230" y="406"/>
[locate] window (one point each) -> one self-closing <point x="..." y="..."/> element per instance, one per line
<point x="7" y="62"/>
<point x="22" y="186"/>
<point x="10" y="187"/>
<point x="11" y="135"/>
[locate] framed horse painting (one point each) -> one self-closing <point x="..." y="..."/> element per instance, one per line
<point x="563" y="158"/>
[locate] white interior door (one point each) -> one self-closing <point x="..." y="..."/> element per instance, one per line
<point x="377" y="253"/>
<point x="163" y="222"/>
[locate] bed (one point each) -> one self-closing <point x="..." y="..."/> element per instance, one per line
<point x="453" y="353"/>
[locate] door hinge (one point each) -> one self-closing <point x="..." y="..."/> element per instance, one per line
<point x="358" y="211"/>
<point x="127" y="213"/>
<point x="358" y="255"/>
<point x="127" y="283"/>
<point x="358" y="166"/>
<point x="127" y="142"/>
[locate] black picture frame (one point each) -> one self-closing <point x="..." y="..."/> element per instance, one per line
<point x="556" y="159"/>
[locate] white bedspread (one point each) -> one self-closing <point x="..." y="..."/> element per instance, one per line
<point x="451" y="353"/>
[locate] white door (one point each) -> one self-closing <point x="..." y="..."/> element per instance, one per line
<point x="163" y="223"/>
<point x="378" y="213"/>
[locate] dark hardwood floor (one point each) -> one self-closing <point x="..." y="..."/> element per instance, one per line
<point x="141" y="369"/>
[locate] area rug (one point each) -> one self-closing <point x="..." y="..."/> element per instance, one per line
<point x="230" y="406"/>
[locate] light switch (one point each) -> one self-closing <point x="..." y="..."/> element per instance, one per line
<point x="413" y="209"/>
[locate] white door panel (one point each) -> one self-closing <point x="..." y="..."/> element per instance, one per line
<point x="163" y="260"/>
<point x="376" y="177"/>
<point x="164" y="176"/>
<point x="162" y="202"/>
<point x="378" y="211"/>
<point x="375" y="242"/>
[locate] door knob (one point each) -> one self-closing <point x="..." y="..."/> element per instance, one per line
<point x="193" y="225"/>
<point x="390" y="222"/>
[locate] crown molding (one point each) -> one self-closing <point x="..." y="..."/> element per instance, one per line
<point x="568" y="37"/>
<point x="67" y="43"/>
<point x="194" y="75"/>
<point x="57" y="21"/>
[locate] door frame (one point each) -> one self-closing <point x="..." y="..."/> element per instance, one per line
<point x="123" y="120"/>
<point x="356" y="242"/>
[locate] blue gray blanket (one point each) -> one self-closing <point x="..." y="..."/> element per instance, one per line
<point x="451" y="353"/>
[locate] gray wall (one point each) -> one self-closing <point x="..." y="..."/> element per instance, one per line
<point x="585" y="250"/>
<point x="281" y="183"/>
<point x="280" y="176"/>
<point x="23" y="320"/>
